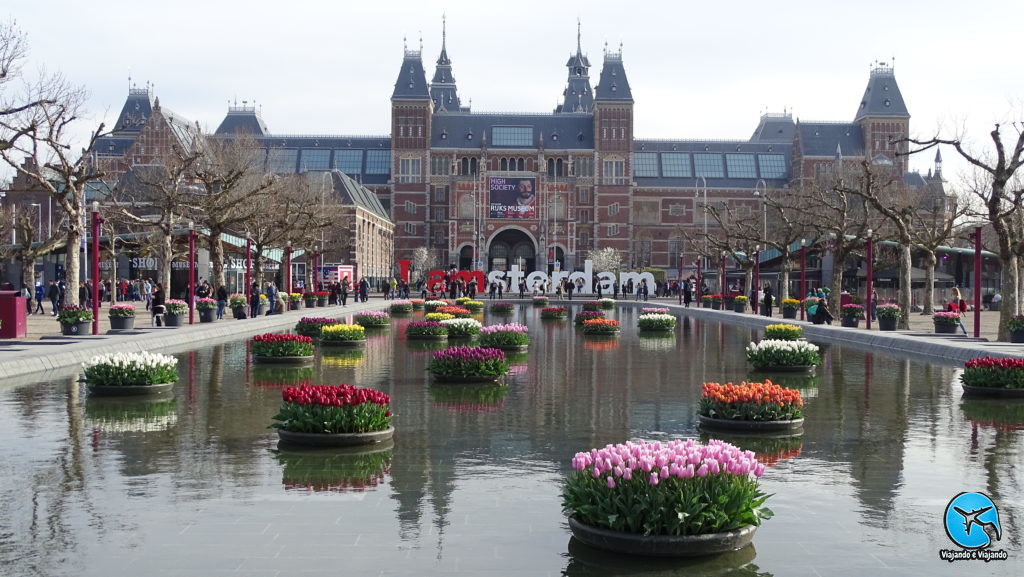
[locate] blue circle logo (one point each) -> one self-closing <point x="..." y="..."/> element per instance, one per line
<point x="972" y="521"/>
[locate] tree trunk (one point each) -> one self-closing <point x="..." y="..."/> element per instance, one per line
<point x="836" y="288"/>
<point x="929" y="283"/>
<point x="784" y="267"/>
<point x="1011" y="291"/>
<point x="71" y="255"/>
<point x="166" y="256"/>
<point x="905" y="279"/>
<point x="748" y="280"/>
<point x="28" y="274"/>
<point x="217" y="257"/>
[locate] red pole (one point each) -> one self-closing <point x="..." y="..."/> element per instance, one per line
<point x="757" y="279"/>
<point x="316" y="272"/>
<point x="977" y="282"/>
<point x="870" y="279"/>
<point x="248" y="267"/>
<point x="96" y="220"/>
<point x="700" y="284"/>
<point x="191" y="274"/>
<point x="803" y="275"/>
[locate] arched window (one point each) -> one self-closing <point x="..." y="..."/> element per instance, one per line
<point x="551" y="167"/>
<point x="559" y="167"/>
<point x="472" y="166"/>
<point x="465" y="166"/>
<point x="504" y="164"/>
<point x="520" y="164"/>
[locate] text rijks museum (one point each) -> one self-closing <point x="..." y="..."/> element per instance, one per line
<point x="490" y="190"/>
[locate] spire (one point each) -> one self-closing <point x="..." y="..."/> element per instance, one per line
<point x="882" y="97"/>
<point x="938" y="163"/>
<point x="578" y="95"/>
<point x="613" y="85"/>
<point x="579" y="37"/>
<point x="839" y="152"/>
<point x="443" y="91"/>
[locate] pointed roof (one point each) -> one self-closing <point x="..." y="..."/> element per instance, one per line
<point x="137" y="108"/>
<point x="443" y="91"/>
<point x="827" y="139"/>
<point x="882" y="97"/>
<point x="412" y="79"/>
<point x="244" y="119"/>
<point x="613" y="85"/>
<point x="775" y="127"/>
<point x="578" y="96"/>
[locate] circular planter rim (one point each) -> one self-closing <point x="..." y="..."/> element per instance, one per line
<point x="662" y="545"/>
<point x="129" y="390"/>
<point x="751" y="426"/>
<point x="334" y="439"/>
<point x="426" y="337"/>
<point x="465" y="378"/>
<point x="786" y="368"/>
<point x="993" y="392"/>
<point x="282" y="360"/>
<point x="348" y="343"/>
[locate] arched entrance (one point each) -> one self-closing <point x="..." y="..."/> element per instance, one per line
<point x="511" y="247"/>
<point x="466" y="258"/>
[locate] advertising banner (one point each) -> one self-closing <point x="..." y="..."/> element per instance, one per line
<point x="512" y="197"/>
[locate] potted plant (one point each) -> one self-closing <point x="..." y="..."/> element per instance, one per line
<point x="705" y="301"/>
<point x="468" y="364"/>
<point x="282" y="348"/>
<point x="374" y="319"/>
<point x="417" y="304"/>
<point x="656" y="322"/>
<point x="438" y="317"/>
<point x="783" y="332"/>
<point x="511" y="336"/>
<point x="309" y="298"/>
<point x="311" y="326"/>
<point x="592" y="306"/>
<point x="991" y="376"/>
<point x="739" y="304"/>
<point x="789" y="308"/>
<point x="462" y="328"/>
<point x="130" y="373"/>
<point x="1016" y="327"/>
<point x="540" y="301"/>
<point x="342" y="335"/>
<point x="74" y="320"/>
<point x="122" y="317"/>
<point x="431" y="305"/>
<point x="549" y="313"/>
<point x="888" y="315"/>
<point x="583" y="316"/>
<point x="946" y="322"/>
<point x="176" y="309"/>
<point x="502" y="308"/>
<point x="852" y="313"/>
<point x="716" y="302"/>
<point x="207" y="308"/>
<point x="751" y="407"/>
<point x="294" y="301"/>
<point x="607" y="303"/>
<point x="659" y="310"/>
<point x="601" y="327"/>
<point x="321" y="298"/>
<point x="472" y="305"/>
<point x="401" y="307"/>
<point x="456" y="311"/>
<point x="333" y="415"/>
<point x="783" y="355"/>
<point x="426" y="330"/>
<point x="679" y="498"/>
<point x="238" y="304"/>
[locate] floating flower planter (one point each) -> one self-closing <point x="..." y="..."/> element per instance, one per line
<point x="431" y="305"/>
<point x="124" y="374"/>
<point x="674" y="499"/>
<point x="333" y="416"/>
<point x="783" y="332"/>
<point x="426" y="330"/>
<point x="456" y="311"/>
<point x="372" y="319"/>
<point x="472" y="305"/>
<point x="281" y="348"/>
<point x="342" y="335"/>
<point x="462" y="328"/>
<point x="775" y="355"/>
<point x="468" y="364"/>
<point x="502" y="308"/>
<point x="438" y="317"/>
<point x="659" y="310"/>
<point x="607" y="303"/>
<point x="311" y="326"/>
<point x="511" y="336"/>
<point x="601" y="327"/>
<point x="751" y="408"/>
<point x="401" y="307"/>
<point x="656" y="322"/>
<point x="584" y="316"/>
<point x="554" y="313"/>
<point x="994" y="377"/>
<point x="417" y="304"/>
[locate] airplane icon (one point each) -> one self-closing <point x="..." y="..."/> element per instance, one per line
<point x="972" y="519"/>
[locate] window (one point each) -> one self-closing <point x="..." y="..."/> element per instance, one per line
<point x="740" y="165"/>
<point x="410" y="228"/>
<point x="772" y="165"/>
<point x="584" y="216"/>
<point x="673" y="252"/>
<point x="613" y="209"/>
<point x="613" y="230"/>
<point x="709" y="165"/>
<point x="584" y="195"/>
<point x="440" y="193"/>
<point x="584" y="239"/>
<point x="675" y="165"/>
<point x="410" y="207"/>
<point x="440" y="214"/>
<point x="378" y="162"/>
<point x="438" y="237"/>
<point x="349" y="161"/>
<point x="614" y="172"/>
<point x="315" y="160"/>
<point x="503" y="164"/>
<point x="645" y="164"/>
<point x="282" y="160"/>
<point x="409" y="170"/>
<point x="512" y="136"/>
<point x="440" y="165"/>
<point x="584" y="166"/>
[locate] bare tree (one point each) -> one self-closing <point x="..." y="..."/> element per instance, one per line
<point x="1001" y="199"/>
<point x="606" y="259"/>
<point x="931" y="227"/>
<point x="25" y="250"/>
<point x="424" y="260"/>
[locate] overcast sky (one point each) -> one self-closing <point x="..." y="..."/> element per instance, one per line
<point x="703" y="70"/>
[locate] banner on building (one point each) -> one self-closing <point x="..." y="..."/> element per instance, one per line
<point x="512" y="197"/>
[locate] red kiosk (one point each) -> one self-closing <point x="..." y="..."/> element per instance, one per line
<point x="12" y="315"/>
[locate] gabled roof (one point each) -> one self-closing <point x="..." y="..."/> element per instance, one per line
<point x="613" y="85"/>
<point x="351" y="192"/>
<point x="558" y="131"/>
<point x="882" y="97"/>
<point x="412" y="79"/>
<point x="243" y="119"/>
<point x="187" y="133"/>
<point x="136" y="109"/>
<point x="823" y="138"/>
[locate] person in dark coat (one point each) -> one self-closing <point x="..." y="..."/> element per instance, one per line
<point x="158" y="305"/>
<point x="769" y="300"/>
<point x="53" y="293"/>
<point x="222" y="300"/>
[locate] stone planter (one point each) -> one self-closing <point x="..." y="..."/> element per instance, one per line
<point x="775" y="427"/>
<point x="75" y="329"/>
<point x="172" y="320"/>
<point x="716" y="306"/>
<point x="128" y="390"/>
<point x="321" y="302"/>
<point x="294" y="305"/>
<point x="946" y="328"/>
<point x="739" y="307"/>
<point x="239" y="312"/>
<point x="662" y="545"/>
<point x="310" y="303"/>
<point x="335" y="439"/>
<point x="1017" y="336"/>
<point x="122" y="323"/>
<point x="705" y="304"/>
<point x="789" y="313"/>
<point x="997" y="392"/>
<point x="851" y="322"/>
<point x="207" y="315"/>
<point x="887" y="324"/>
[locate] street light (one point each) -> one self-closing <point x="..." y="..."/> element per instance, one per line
<point x="757" y="277"/>
<point x="704" y="181"/>
<point x="764" y="205"/>
<point x="248" y="267"/>
<point x="803" y="275"/>
<point x="96" y="221"/>
<point x="39" y="221"/>
<point x="722" y="286"/>
<point x="870" y="279"/>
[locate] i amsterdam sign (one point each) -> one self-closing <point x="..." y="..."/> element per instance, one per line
<point x="606" y="279"/>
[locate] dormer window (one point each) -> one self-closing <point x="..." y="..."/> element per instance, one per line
<point x="579" y="71"/>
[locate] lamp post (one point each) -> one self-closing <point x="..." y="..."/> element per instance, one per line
<point x="803" y="274"/>
<point x="705" y="189"/>
<point x="870" y="278"/>
<point x="248" y="266"/>
<point x="764" y="205"/>
<point x="288" y="268"/>
<point x="191" y="272"/>
<point x="722" y="286"/>
<point x="700" y="283"/>
<point x="39" y="221"/>
<point x="757" y="277"/>
<point x="679" y="282"/>
<point x="96" y="221"/>
<point x="977" y="282"/>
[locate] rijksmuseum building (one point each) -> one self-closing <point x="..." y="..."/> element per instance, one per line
<point x="490" y="190"/>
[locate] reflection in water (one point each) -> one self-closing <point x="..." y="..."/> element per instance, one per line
<point x="132" y="414"/>
<point x="469" y="398"/>
<point x="334" y="470"/>
<point x="770" y="450"/>
<point x="275" y="377"/>
<point x="586" y="561"/>
<point x="995" y="414"/>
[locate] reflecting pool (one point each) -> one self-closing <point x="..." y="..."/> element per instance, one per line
<point x="194" y="483"/>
